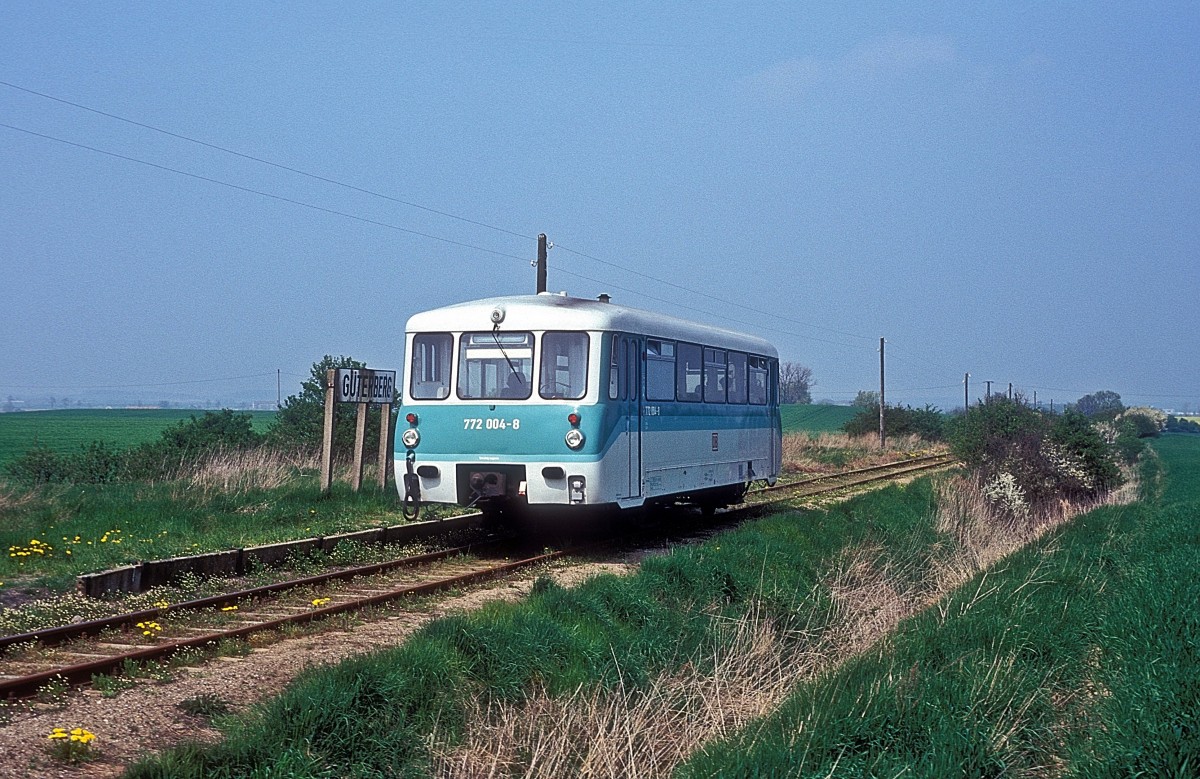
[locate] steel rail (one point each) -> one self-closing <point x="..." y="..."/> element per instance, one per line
<point x="75" y="674"/>
<point x="57" y="635"/>
<point x="83" y="672"/>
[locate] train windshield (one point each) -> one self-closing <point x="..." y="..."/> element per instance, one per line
<point x="564" y="365"/>
<point x="495" y="365"/>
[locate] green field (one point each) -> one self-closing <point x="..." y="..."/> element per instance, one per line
<point x="799" y="418"/>
<point x="68" y="430"/>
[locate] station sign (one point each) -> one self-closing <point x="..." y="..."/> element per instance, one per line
<point x="364" y="385"/>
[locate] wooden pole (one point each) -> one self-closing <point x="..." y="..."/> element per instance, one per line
<point x="966" y="392"/>
<point x="327" y="435"/>
<point x="385" y="459"/>
<point x="360" y="436"/>
<point x="541" y="263"/>
<point x="882" y="434"/>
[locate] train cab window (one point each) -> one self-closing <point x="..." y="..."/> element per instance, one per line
<point x="689" y="372"/>
<point x="564" y="365"/>
<point x="429" y="378"/>
<point x="631" y="370"/>
<point x="758" y="380"/>
<point x="495" y="365"/>
<point x="714" y="375"/>
<point x="660" y="369"/>
<point x="735" y="383"/>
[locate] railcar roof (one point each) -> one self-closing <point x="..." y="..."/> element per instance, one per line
<point x="558" y="312"/>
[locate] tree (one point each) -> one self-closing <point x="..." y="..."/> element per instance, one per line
<point x="795" y="383"/>
<point x="300" y="421"/>
<point x="1104" y="404"/>
<point x="866" y="399"/>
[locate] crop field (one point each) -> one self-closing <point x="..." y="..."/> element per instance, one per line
<point x="68" y="430"/>
<point x="798" y="418"/>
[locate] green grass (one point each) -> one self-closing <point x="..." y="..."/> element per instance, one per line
<point x="799" y="418"/>
<point x="1078" y="656"/>
<point x="370" y="716"/>
<point x="94" y="527"/>
<point x="68" y="430"/>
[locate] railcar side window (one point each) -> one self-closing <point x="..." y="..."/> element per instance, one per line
<point x="564" y="365"/>
<point x="714" y="375"/>
<point x="430" y="374"/>
<point x="758" y="380"/>
<point x="688" y="373"/>
<point x="495" y="365"/>
<point x="614" y="369"/>
<point x="736" y="383"/>
<point x="660" y="369"/>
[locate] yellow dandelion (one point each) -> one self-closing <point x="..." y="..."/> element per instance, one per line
<point x="229" y="608"/>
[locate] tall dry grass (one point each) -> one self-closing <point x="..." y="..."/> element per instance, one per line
<point x="809" y="454"/>
<point x="634" y="732"/>
<point x="237" y="471"/>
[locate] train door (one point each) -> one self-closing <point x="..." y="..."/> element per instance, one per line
<point x="632" y="354"/>
<point x="624" y="390"/>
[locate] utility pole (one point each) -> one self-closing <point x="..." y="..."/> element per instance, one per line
<point x="987" y="396"/>
<point x="882" y="434"/>
<point x="1010" y="390"/>
<point x="541" y="263"/>
<point x="1035" y="405"/>
<point x="278" y="390"/>
<point x="966" y="392"/>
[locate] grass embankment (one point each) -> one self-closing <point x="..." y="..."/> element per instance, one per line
<point x="54" y="533"/>
<point x="68" y="430"/>
<point x="1078" y="656"/>
<point x="1063" y="659"/>
<point x="613" y="637"/>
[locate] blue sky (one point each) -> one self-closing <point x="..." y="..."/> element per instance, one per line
<point x="1006" y="189"/>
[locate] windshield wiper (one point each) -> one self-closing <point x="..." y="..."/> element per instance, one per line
<point x="500" y="346"/>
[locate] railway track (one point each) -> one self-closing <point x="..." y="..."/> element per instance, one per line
<point x="73" y="654"/>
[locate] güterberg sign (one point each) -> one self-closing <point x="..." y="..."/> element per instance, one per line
<point x="364" y="385"/>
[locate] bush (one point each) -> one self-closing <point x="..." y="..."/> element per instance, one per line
<point x="928" y="423"/>
<point x="1181" y="425"/>
<point x="97" y="463"/>
<point x="1026" y="459"/>
<point x="39" y="465"/>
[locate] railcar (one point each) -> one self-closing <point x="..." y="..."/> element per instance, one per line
<point x="550" y="400"/>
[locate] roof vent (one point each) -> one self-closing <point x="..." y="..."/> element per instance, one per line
<point x="604" y="297"/>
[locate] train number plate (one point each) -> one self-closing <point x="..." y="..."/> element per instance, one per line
<point x="491" y="423"/>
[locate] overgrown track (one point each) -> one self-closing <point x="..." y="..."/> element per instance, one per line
<point x="106" y="645"/>
<point x="844" y="479"/>
<point x="257" y="610"/>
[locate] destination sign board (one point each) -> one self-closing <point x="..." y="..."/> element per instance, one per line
<point x="364" y="385"/>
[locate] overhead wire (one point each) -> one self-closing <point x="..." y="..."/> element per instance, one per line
<point x="458" y="217"/>
<point x="391" y="198"/>
<point x="253" y="191"/>
<point x="261" y="160"/>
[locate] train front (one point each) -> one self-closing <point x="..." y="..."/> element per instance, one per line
<point x="497" y="408"/>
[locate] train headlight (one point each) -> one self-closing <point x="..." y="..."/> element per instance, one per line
<point x="410" y="438"/>
<point x="574" y="438"/>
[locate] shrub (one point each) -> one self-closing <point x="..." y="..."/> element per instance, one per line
<point x="1026" y="460"/>
<point x="928" y="423"/>
<point x="39" y="465"/>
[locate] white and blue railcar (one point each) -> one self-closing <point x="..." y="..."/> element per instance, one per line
<point x="551" y="400"/>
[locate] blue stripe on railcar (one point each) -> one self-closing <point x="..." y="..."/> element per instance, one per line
<point x="535" y="432"/>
